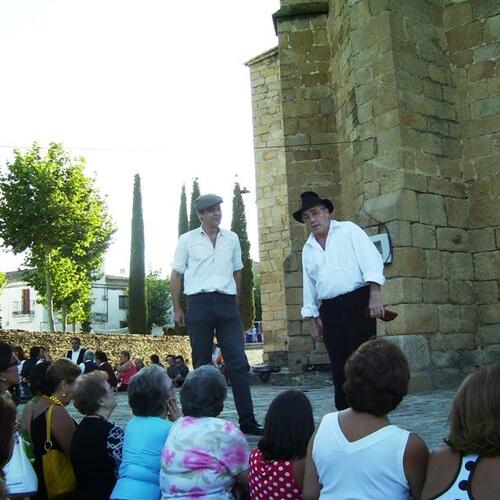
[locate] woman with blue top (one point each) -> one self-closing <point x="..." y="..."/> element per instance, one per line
<point x="152" y="399"/>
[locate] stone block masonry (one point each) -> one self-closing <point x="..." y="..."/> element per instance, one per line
<point x="394" y="107"/>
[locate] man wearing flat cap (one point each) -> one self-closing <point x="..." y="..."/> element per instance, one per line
<point x="209" y="258"/>
<point x="342" y="276"/>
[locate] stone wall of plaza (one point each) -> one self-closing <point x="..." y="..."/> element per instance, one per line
<point x="392" y="109"/>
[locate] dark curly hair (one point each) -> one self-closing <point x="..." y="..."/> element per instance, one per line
<point x="377" y="376"/>
<point x="475" y="414"/>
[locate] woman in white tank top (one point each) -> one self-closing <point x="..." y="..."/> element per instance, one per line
<point x="469" y="466"/>
<point x="356" y="453"/>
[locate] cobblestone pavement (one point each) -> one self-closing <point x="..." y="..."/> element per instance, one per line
<point x="423" y="413"/>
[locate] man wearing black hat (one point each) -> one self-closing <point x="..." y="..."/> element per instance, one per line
<point x="342" y="275"/>
<point x="209" y="258"/>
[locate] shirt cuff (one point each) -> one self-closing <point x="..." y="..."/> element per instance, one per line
<point x="309" y="311"/>
<point x="374" y="277"/>
<point x="179" y="269"/>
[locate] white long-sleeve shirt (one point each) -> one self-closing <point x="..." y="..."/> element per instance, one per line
<point x="349" y="261"/>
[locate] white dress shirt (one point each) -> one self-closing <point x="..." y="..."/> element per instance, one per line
<point x="349" y="261"/>
<point x="75" y="354"/>
<point x="208" y="268"/>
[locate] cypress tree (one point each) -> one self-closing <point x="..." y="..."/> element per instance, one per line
<point x="183" y="228"/>
<point x="194" y="222"/>
<point x="137" y="308"/>
<point x="183" y="215"/>
<point x="239" y="226"/>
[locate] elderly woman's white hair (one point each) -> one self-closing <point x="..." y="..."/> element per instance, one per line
<point x="148" y="392"/>
<point x="203" y="392"/>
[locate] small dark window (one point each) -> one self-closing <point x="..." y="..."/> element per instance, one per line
<point x="26" y="301"/>
<point x="122" y="302"/>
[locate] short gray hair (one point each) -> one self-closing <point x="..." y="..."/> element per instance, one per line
<point x="89" y="356"/>
<point x="203" y="392"/>
<point x="148" y="392"/>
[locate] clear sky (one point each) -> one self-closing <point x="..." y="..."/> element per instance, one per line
<point x="152" y="87"/>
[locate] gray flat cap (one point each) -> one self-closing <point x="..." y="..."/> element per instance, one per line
<point x="206" y="201"/>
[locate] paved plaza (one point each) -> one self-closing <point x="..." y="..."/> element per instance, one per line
<point x="423" y="413"/>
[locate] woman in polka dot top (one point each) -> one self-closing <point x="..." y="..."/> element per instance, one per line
<point x="276" y="466"/>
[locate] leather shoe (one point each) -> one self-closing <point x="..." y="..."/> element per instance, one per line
<point x="252" y="428"/>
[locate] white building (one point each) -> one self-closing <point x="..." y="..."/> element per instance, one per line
<point x="19" y="309"/>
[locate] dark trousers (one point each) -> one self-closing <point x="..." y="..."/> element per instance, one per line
<point x="346" y="326"/>
<point x="217" y="314"/>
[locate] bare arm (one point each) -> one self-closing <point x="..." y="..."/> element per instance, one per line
<point x="375" y="304"/>
<point x="299" y="468"/>
<point x="415" y="464"/>
<point x="175" y="290"/>
<point x="237" y="279"/>
<point x="63" y="428"/>
<point x="312" y="486"/>
<point x="316" y="328"/>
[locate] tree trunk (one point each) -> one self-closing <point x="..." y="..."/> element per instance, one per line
<point x="74" y="326"/>
<point x="50" y="309"/>
<point x="64" y="317"/>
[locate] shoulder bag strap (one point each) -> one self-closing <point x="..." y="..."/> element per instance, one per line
<point x="48" y="442"/>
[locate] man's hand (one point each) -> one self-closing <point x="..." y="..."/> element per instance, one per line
<point x="375" y="304"/>
<point x="317" y="329"/>
<point x="180" y="317"/>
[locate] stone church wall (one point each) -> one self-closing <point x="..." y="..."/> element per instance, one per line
<point x="391" y="109"/>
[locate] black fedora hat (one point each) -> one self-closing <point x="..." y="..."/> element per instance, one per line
<point x="311" y="199"/>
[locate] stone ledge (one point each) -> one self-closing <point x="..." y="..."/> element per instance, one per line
<point x="300" y="10"/>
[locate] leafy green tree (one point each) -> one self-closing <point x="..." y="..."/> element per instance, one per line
<point x="183" y="215"/>
<point x="51" y="210"/>
<point x="3" y="280"/>
<point x="194" y="222"/>
<point x="71" y="286"/>
<point x="158" y="299"/>
<point x="239" y="226"/>
<point x="137" y="305"/>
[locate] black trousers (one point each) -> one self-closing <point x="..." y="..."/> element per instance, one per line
<point x="217" y="314"/>
<point x="346" y="325"/>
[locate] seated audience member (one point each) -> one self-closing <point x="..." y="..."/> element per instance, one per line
<point x="469" y="465"/>
<point x="20" y="356"/>
<point x="38" y="381"/>
<point x="103" y="365"/>
<point x="155" y="360"/>
<point x="44" y="355"/>
<point x="7" y="430"/>
<point x="139" y="363"/>
<point x="58" y="392"/>
<point x="277" y="464"/>
<point x="356" y="452"/>
<point x="152" y="399"/>
<point x="9" y="376"/>
<point x="96" y="449"/>
<point x="204" y="456"/>
<point x="88" y="365"/>
<point x="30" y="363"/>
<point x="178" y="371"/>
<point x="126" y="370"/>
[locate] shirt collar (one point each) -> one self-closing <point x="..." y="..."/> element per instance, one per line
<point x="221" y="231"/>
<point x="313" y="242"/>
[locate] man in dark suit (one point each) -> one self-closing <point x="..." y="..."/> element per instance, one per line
<point x="77" y="352"/>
